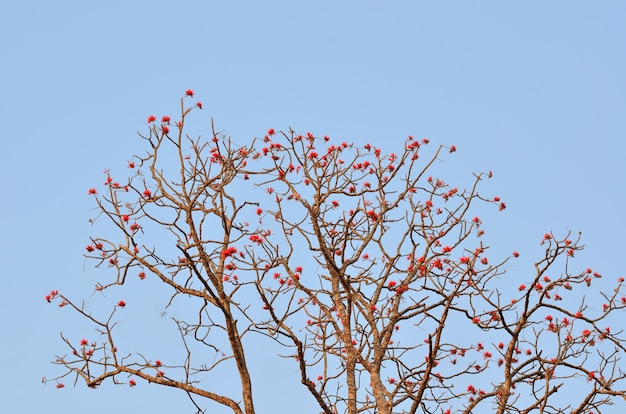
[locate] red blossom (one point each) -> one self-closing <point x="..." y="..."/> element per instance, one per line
<point x="147" y="193"/>
<point x="131" y="164"/>
<point x="166" y="119"/>
<point x="60" y="385"/>
<point x="92" y="191"/>
<point x="199" y="104"/>
<point x="516" y="254"/>
<point x="142" y="275"/>
<point x="132" y="383"/>
<point x="158" y="363"/>
<point x="151" y="119"/>
<point x="121" y="304"/>
<point x="452" y="149"/>
<point x="189" y="92"/>
<point x="229" y="252"/>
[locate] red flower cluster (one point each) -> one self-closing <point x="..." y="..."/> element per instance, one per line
<point x="228" y="252"/>
<point x="51" y="295"/>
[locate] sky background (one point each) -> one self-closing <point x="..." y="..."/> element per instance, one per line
<point x="533" y="91"/>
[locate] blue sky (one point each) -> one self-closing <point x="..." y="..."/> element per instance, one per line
<point x="534" y="91"/>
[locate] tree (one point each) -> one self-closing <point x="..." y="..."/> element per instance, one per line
<point x="370" y="272"/>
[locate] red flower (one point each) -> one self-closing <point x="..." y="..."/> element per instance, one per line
<point x="92" y="191"/>
<point x="452" y="149"/>
<point x="151" y="119"/>
<point x="165" y="129"/>
<point x="229" y="252"/>
<point x="60" y="385"/>
<point x="84" y="342"/>
<point x="142" y="275"/>
<point x="189" y="92"/>
<point x="199" y="104"/>
<point x="121" y="304"/>
<point x="147" y="193"/>
<point x="522" y="287"/>
<point x="158" y="363"/>
<point x="131" y="164"/>
<point x="391" y="284"/>
<point x="132" y="383"/>
<point x="166" y="119"/>
<point x="125" y="217"/>
<point x="90" y="248"/>
<point x="516" y="254"/>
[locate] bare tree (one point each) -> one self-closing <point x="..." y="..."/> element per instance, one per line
<point x="369" y="271"/>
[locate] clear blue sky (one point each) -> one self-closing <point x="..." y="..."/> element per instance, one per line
<point x="535" y="91"/>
